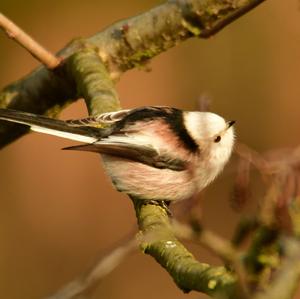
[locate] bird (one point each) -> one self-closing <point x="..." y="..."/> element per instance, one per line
<point x="151" y="153"/>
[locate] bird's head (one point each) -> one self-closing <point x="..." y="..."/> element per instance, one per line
<point x="213" y="135"/>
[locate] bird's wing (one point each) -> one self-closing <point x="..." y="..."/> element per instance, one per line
<point x="122" y="142"/>
<point x="108" y="133"/>
<point x="43" y="124"/>
<point x="120" y="119"/>
<point x="128" y="148"/>
<point x="103" y="119"/>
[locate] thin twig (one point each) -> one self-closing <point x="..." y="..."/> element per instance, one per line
<point x="105" y="266"/>
<point x="33" y="47"/>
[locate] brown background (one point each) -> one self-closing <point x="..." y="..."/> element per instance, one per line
<point x="58" y="211"/>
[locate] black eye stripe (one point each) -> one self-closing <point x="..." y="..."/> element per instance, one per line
<point x="217" y="139"/>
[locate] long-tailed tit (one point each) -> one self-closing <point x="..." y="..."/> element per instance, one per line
<point x="150" y="153"/>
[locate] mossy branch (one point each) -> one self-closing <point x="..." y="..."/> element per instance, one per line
<point x="93" y="82"/>
<point x="122" y="46"/>
<point x="187" y="272"/>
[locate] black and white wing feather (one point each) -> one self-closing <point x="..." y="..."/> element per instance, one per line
<point x="121" y="140"/>
<point x="146" y="154"/>
<point x="109" y="133"/>
<point x="103" y="119"/>
<point x="56" y="127"/>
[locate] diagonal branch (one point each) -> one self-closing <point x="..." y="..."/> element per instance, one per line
<point x="102" y="268"/>
<point x="186" y="271"/>
<point x="33" y="47"/>
<point x="208" y="239"/>
<point x="122" y="46"/>
<point x="131" y="42"/>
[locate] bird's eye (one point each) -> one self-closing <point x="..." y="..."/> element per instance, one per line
<point x="217" y="139"/>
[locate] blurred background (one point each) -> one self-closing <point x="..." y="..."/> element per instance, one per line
<point x="58" y="211"/>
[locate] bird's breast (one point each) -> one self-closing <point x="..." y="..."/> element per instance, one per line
<point x="149" y="183"/>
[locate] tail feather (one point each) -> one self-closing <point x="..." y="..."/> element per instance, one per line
<point x="51" y="126"/>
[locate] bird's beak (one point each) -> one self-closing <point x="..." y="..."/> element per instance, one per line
<point x="230" y="123"/>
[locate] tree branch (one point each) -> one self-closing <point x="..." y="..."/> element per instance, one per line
<point x="93" y="82"/>
<point x="102" y="268"/>
<point x="217" y="245"/>
<point x="122" y="46"/>
<point x="287" y="278"/>
<point x="33" y="47"/>
<point x="187" y="273"/>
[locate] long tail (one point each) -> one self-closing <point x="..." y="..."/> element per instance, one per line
<point x="43" y="124"/>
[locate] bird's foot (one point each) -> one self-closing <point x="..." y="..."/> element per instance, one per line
<point x="163" y="204"/>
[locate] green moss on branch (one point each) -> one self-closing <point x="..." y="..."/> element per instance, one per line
<point x="93" y="82"/>
<point x="189" y="274"/>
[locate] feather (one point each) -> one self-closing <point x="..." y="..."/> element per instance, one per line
<point x="135" y="152"/>
<point x="43" y="124"/>
<point x="113" y="133"/>
<point x="101" y="120"/>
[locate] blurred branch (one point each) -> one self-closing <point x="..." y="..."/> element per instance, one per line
<point x="33" y="47"/>
<point x="122" y="46"/>
<point x="243" y="230"/>
<point x="102" y="268"/>
<point x="264" y="238"/>
<point x="270" y="273"/>
<point x="287" y="278"/>
<point x="253" y="157"/>
<point x="217" y="245"/>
